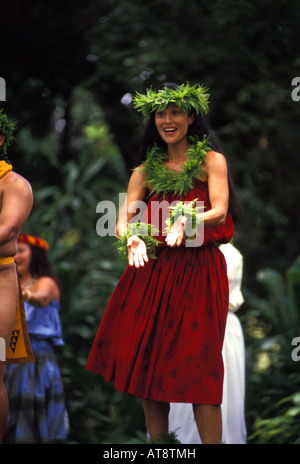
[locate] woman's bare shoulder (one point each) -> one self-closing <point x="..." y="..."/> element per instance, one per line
<point x="215" y="156"/>
<point x="215" y="161"/>
<point x="138" y="176"/>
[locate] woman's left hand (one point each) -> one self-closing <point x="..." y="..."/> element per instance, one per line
<point x="176" y="234"/>
<point x="26" y="295"/>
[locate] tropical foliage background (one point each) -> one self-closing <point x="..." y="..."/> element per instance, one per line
<point x="70" y="70"/>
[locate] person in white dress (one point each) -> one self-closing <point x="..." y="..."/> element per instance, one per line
<point x="181" y="416"/>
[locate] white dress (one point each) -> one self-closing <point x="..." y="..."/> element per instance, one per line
<point x="181" y="417"/>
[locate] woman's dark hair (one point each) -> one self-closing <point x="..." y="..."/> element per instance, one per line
<point x="40" y="265"/>
<point x="200" y="127"/>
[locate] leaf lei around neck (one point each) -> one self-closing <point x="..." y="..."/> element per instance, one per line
<point x="160" y="179"/>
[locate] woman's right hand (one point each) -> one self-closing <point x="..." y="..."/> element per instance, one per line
<point x="137" y="251"/>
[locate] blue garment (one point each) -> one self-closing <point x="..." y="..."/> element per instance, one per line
<point x="37" y="412"/>
<point x="44" y="323"/>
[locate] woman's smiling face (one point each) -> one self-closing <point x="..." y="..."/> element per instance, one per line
<point x="23" y="258"/>
<point x="172" y="124"/>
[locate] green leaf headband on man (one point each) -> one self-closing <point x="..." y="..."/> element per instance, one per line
<point x="188" y="98"/>
<point x="7" y="129"/>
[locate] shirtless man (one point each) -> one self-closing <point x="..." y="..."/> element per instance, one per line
<point x="16" y="202"/>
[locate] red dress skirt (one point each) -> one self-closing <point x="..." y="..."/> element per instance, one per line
<point x="162" y="332"/>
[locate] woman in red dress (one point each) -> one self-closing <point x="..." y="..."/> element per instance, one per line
<point x="162" y="333"/>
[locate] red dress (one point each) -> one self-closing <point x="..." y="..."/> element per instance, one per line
<point x="162" y="333"/>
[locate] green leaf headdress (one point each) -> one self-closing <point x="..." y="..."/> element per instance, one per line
<point x="188" y="98"/>
<point x="7" y="129"/>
